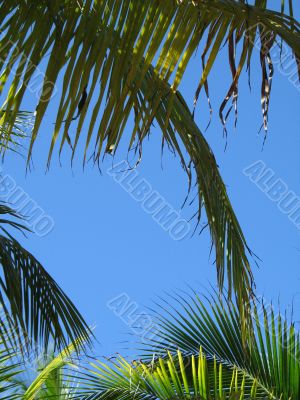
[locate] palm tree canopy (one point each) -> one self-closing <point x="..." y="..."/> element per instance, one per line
<point x="114" y="44"/>
<point x="125" y="59"/>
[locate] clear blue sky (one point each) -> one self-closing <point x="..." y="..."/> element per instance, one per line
<point x="103" y="244"/>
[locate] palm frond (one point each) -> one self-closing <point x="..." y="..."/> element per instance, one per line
<point x="10" y="368"/>
<point x="272" y="354"/>
<point x="8" y="372"/>
<point x="50" y="382"/>
<point x="22" y="126"/>
<point x="171" y="377"/>
<point x="172" y="366"/>
<point x="108" y="41"/>
<point x="198" y="354"/>
<point x="32" y="304"/>
<point x="230" y="245"/>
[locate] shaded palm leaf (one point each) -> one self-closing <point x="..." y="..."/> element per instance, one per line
<point x="13" y="140"/>
<point x="8" y="372"/>
<point x="10" y="368"/>
<point x="33" y="305"/>
<point x="227" y="236"/>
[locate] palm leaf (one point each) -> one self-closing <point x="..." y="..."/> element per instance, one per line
<point x="50" y="382"/>
<point x="33" y="306"/>
<point x="173" y="367"/>
<point x="227" y="236"/>
<point x="272" y="354"/>
<point x="109" y="41"/>
<point x="10" y="368"/>
<point x="171" y="377"/>
<point x="8" y="372"/>
<point x="13" y="140"/>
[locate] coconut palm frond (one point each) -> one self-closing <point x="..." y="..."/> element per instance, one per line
<point x="106" y="42"/>
<point x="230" y="245"/>
<point x="272" y="353"/>
<point x="172" y="367"/>
<point x="51" y="380"/>
<point x="197" y="354"/>
<point x="32" y="304"/>
<point x="10" y="369"/>
<point x="170" y="377"/>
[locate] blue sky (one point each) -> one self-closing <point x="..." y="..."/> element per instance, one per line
<point x="103" y="244"/>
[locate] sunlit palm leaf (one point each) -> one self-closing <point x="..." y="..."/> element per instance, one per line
<point x="268" y="368"/>
<point x="51" y="381"/>
<point x="272" y="354"/>
<point x="107" y="41"/>
<point x="171" y="377"/>
<point x="33" y="305"/>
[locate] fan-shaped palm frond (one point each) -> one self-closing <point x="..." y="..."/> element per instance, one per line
<point x="33" y="306"/>
<point x="138" y="52"/>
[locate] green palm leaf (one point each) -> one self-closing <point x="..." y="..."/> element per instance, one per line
<point x="13" y="140"/>
<point x="171" y="377"/>
<point x="272" y="354"/>
<point x="34" y="307"/>
<point x="197" y="354"/>
<point x="172" y="367"/>
<point x="49" y="375"/>
<point x="51" y="381"/>
<point x="10" y="368"/>
<point x="109" y="41"/>
<point x="227" y="236"/>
